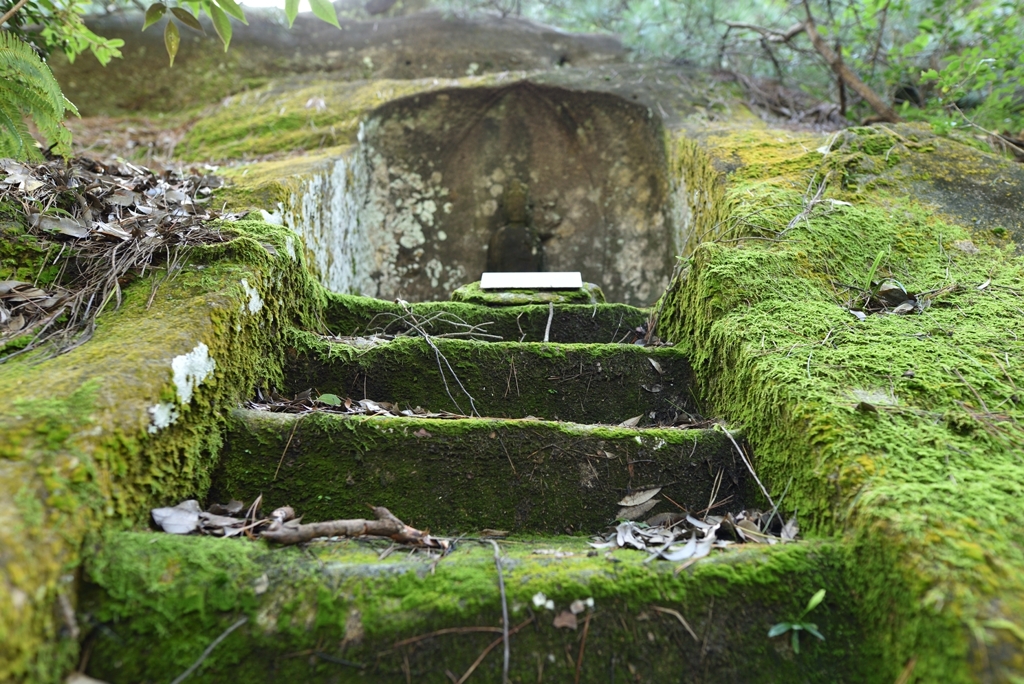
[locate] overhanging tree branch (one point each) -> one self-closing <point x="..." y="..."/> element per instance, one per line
<point x="885" y="112"/>
<point x="11" y="12"/>
<point x="770" y="34"/>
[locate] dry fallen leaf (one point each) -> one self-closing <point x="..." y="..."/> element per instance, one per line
<point x="566" y="620"/>
<point x="180" y="519"/>
<point x="637" y="498"/>
<point x="632" y="422"/>
<point x="636" y="512"/>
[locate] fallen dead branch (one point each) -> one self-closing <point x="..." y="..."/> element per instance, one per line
<point x="283" y="527"/>
<point x="386" y="525"/>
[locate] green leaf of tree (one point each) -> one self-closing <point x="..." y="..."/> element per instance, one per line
<point x="186" y="18"/>
<point x="780" y="628"/>
<point x="233" y="9"/>
<point x="154" y="14"/>
<point x="291" y="10"/>
<point x="172" y="39"/>
<point x="324" y="11"/>
<point x="221" y="24"/>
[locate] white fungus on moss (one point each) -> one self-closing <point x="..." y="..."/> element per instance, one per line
<point x="255" y="301"/>
<point x="190" y="370"/>
<point x="162" y="415"/>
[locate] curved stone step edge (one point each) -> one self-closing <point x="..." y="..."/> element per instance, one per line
<point x="155" y="602"/>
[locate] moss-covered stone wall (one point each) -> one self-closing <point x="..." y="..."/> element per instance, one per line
<point x="93" y="438"/>
<point x="899" y="434"/>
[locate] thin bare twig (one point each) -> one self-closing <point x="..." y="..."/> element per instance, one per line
<point x="287" y="444"/>
<point x="441" y="632"/>
<point x="677" y="615"/>
<point x="547" y="328"/>
<point x="749" y="467"/>
<point x="583" y="646"/>
<point x="809" y="204"/>
<point x="491" y="647"/>
<point x="439" y="356"/>
<point x="209" y="649"/>
<point x="504" y="611"/>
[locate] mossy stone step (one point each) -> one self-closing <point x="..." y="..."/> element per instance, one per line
<point x="599" y="323"/>
<point x="581" y="383"/>
<point x="334" y="612"/>
<point x="462" y="475"/>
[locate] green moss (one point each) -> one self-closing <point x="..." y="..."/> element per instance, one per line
<point x="584" y="383"/>
<point x="923" y="485"/>
<point x="278" y="119"/>
<point x="160" y="601"/>
<point x="272" y="184"/>
<point x="528" y="476"/>
<point x="472" y="294"/>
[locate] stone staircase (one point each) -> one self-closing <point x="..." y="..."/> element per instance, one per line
<point x="542" y="453"/>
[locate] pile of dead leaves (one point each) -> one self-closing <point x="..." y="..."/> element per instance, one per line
<point x="103" y="222"/>
<point x="682" y="537"/>
<point x="305" y="402"/>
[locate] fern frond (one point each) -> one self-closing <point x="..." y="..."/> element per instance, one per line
<point x="15" y="141"/>
<point x="28" y="89"/>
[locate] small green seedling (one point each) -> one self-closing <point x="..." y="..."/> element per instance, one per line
<point x="869" y="283"/>
<point x="798" y="625"/>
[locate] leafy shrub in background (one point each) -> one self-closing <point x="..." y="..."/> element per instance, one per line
<point x="221" y="12"/>
<point x="943" y="59"/>
<point x="31" y="29"/>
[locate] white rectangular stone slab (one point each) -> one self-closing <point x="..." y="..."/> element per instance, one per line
<point x="563" y="280"/>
